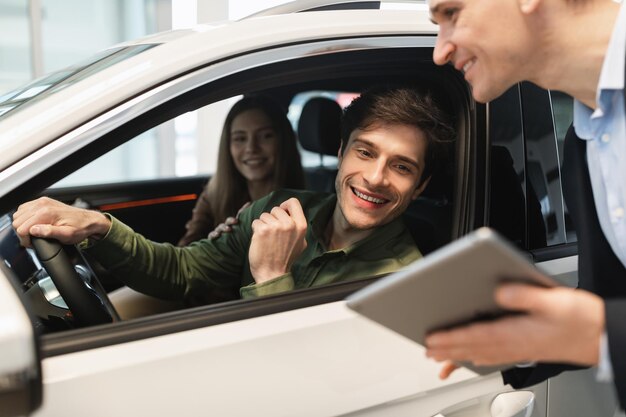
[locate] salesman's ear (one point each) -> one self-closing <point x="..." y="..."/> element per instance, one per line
<point x="339" y="154"/>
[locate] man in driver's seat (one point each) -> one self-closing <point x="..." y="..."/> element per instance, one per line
<point x="391" y="140"/>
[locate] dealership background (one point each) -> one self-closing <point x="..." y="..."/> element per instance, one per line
<point x="38" y="37"/>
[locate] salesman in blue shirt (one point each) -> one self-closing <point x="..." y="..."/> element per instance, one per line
<point x="578" y="47"/>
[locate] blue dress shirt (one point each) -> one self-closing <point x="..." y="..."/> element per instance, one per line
<point x="604" y="129"/>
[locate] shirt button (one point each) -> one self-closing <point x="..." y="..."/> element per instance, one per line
<point x="618" y="213"/>
<point x="606" y="138"/>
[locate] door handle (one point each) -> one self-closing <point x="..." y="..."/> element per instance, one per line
<point x="506" y="404"/>
<point x="513" y="404"/>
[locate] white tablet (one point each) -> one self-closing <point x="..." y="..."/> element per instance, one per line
<point x="450" y="287"/>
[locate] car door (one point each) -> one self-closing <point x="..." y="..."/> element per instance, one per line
<point x="20" y="371"/>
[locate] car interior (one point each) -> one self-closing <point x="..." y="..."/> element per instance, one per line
<point x="159" y="208"/>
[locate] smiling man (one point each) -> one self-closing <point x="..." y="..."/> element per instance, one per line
<point x="575" y="46"/>
<point x="391" y="141"/>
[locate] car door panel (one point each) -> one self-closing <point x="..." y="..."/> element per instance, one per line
<point x="345" y="362"/>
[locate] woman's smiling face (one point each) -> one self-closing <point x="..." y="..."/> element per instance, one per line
<point x="253" y="142"/>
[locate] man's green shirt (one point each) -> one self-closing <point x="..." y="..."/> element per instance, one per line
<point x="215" y="270"/>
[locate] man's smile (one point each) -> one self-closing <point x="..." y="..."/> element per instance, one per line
<point x="468" y="65"/>
<point x="372" y="198"/>
<point x="464" y="65"/>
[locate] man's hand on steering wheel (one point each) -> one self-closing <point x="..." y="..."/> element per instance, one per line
<point x="60" y="224"/>
<point x="52" y="219"/>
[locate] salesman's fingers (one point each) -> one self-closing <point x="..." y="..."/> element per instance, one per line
<point x="472" y="334"/>
<point x="447" y="369"/>
<point x="530" y="298"/>
<point x="454" y="344"/>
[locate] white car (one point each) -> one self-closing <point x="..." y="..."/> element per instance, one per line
<point x="297" y="354"/>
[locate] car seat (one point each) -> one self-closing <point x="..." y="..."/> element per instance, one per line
<point x="319" y="131"/>
<point x="429" y="217"/>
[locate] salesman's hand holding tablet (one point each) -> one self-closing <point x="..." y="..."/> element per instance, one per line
<point x="479" y="303"/>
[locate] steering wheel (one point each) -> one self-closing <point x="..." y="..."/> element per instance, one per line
<point x="84" y="296"/>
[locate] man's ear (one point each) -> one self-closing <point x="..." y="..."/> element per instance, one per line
<point x="339" y="155"/>
<point x="528" y="6"/>
<point x="420" y="188"/>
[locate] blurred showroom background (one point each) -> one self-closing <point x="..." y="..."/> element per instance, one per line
<point x="39" y="37"/>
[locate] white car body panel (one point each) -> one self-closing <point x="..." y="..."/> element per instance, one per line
<point x="322" y="361"/>
<point x="16" y="333"/>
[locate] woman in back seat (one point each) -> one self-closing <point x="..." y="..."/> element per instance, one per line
<point x="257" y="154"/>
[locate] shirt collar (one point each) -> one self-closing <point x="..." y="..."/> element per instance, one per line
<point x="382" y="236"/>
<point x="378" y="238"/>
<point x="319" y="220"/>
<point x="611" y="79"/>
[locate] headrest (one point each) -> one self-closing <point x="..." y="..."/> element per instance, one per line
<point x="319" y="128"/>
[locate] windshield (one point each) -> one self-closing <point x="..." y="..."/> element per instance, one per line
<point x="56" y="81"/>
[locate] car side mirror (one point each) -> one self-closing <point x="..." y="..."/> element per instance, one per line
<point x="20" y="371"/>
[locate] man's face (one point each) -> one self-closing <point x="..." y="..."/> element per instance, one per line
<point x="379" y="174"/>
<point x="486" y="40"/>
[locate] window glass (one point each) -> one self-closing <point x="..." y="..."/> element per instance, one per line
<point x="544" y="193"/>
<point x="15" y="44"/>
<point x="563" y="113"/>
<point x="59" y="80"/>
<point x="192" y="138"/>
<point x="507" y="213"/>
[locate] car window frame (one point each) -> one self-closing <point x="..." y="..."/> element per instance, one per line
<point x="89" y="141"/>
<point x="85" y="135"/>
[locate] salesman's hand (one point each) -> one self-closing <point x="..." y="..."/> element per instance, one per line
<point x="49" y="218"/>
<point x="278" y="238"/>
<point x="557" y="325"/>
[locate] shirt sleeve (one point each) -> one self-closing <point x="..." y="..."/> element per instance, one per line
<point x="605" y="368"/>
<point x="277" y="285"/>
<point x="206" y="271"/>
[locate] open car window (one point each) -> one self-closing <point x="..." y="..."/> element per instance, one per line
<point x="158" y="207"/>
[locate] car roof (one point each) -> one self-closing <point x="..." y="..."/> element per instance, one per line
<point x="181" y="51"/>
<point x="326" y="5"/>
